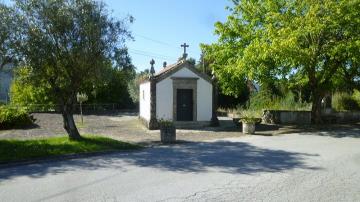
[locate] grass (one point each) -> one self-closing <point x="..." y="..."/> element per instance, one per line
<point x="16" y="150"/>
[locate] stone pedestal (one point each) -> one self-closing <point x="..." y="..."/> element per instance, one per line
<point x="214" y="119"/>
<point x="153" y="124"/>
<point x="248" y="128"/>
<point x="168" y="134"/>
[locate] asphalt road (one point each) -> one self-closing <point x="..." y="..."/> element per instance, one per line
<point x="294" y="167"/>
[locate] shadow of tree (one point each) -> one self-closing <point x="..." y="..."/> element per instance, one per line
<point x="224" y="156"/>
<point x="331" y="130"/>
<point x="232" y="126"/>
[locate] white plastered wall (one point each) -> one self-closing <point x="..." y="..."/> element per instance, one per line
<point x="144" y="101"/>
<point x="164" y="96"/>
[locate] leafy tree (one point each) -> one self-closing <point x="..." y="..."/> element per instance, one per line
<point x="25" y="94"/>
<point x="113" y="88"/>
<point x="315" y="43"/>
<point x="9" y="35"/>
<point x="67" y="44"/>
<point x="134" y="85"/>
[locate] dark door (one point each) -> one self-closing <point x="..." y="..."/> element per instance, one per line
<point x="184" y="105"/>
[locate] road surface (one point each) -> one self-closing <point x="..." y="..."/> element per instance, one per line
<point x="294" y="167"/>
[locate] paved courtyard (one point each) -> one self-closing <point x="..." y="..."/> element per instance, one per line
<point x="309" y="166"/>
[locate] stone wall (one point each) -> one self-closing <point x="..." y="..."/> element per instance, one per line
<point x="304" y="117"/>
<point x="286" y="117"/>
<point x="346" y="117"/>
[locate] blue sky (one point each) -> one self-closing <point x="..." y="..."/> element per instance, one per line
<point x="161" y="26"/>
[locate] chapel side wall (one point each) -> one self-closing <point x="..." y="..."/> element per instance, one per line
<point x="144" y="101"/>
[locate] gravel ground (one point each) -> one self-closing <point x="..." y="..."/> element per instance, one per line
<point x="127" y="127"/>
<point x="121" y="126"/>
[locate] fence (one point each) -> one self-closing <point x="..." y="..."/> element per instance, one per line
<point x="87" y="108"/>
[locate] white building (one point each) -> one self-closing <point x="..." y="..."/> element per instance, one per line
<point x="6" y="77"/>
<point x="179" y="92"/>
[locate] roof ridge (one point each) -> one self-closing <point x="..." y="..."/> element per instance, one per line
<point x="169" y="67"/>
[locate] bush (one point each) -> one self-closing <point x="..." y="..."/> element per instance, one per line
<point x="342" y="101"/>
<point x="11" y="117"/>
<point x="261" y="101"/>
<point x="249" y="116"/>
<point x="25" y="94"/>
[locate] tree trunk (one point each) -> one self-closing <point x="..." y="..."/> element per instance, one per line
<point x="69" y="123"/>
<point x="316" y="108"/>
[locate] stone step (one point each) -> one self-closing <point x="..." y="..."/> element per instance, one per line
<point x="191" y="124"/>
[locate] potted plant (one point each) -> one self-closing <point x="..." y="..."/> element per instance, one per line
<point x="249" y="118"/>
<point x="167" y="131"/>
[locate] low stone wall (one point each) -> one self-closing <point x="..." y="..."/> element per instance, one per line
<point x="347" y="117"/>
<point x="304" y="117"/>
<point x="286" y="117"/>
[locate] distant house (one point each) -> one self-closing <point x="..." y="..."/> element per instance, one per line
<point x="178" y="92"/>
<point x="6" y="77"/>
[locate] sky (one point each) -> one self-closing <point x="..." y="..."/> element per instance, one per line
<point x="161" y="26"/>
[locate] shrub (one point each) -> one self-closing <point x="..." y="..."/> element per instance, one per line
<point x="261" y="101"/>
<point x="163" y="123"/>
<point x="25" y="94"/>
<point x="249" y="116"/>
<point x="356" y="96"/>
<point x="11" y="117"/>
<point x="342" y="101"/>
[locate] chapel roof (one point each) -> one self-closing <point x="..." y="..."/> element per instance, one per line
<point x="170" y="69"/>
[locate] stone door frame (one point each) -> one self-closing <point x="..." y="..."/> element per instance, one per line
<point x="184" y="83"/>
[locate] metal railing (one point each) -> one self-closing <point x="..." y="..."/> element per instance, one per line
<point x="87" y="108"/>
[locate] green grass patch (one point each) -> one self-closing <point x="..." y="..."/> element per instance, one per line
<point x="15" y="150"/>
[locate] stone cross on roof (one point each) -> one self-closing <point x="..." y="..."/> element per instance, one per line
<point x="152" y="70"/>
<point x="184" y="46"/>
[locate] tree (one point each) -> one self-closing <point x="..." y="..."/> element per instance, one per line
<point x="134" y="85"/>
<point x="67" y="44"/>
<point x="9" y="35"/>
<point x="315" y="43"/>
<point x="25" y="94"/>
<point x="113" y="88"/>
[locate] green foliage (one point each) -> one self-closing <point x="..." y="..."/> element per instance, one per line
<point x="342" y="101"/>
<point x="68" y="44"/>
<point x="264" y="100"/>
<point x="163" y="123"/>
<point x="356" y="96"/>
<point x="15" y="150"/>
<point x="134" y="85"/>
<point x="13" y="117"/>
<point x="249" y="115"/>
<point x="315" y="43"/>
<point x="9" y="35"/>
<point x="113" y="88"/>
<point x="25" y="94"/>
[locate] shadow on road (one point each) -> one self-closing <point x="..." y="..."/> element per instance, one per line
<point x="331" y="130"/>
<point x="225" y="156"/>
